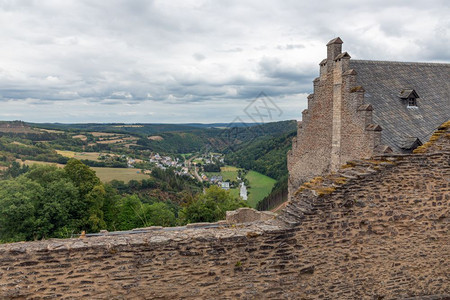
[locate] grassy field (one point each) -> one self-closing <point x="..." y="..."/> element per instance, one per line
<point x="124" y="174"/>
<point x="83" y="155"/>
<point x="80" y="136"/>
<point x="35" y="162"/>
<point x="131" y="126"/>
<point x="20" y="144"/>
<point x="260" y="187"/>
<point x="105" y="174"/>
<point x="234" y="192"/>
<point x="227" y="172"/>
<point x="51" y="131"/>
<point x="104" y="134"/>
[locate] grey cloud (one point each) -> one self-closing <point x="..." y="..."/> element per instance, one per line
<point x="118" y="52"/>
<point x="274" y="68"/>
<point x="237" y="49"/>
<point x="121" y="95"/>
<point x="112" y="102"/>
<point x="290" y="47"/>
<point x="198" y="56"/>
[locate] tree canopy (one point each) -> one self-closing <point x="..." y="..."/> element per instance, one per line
<point x="45" y="201"/>
<point x="211" y="206"/>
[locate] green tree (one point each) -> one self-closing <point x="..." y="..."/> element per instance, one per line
<point x="95" y="200"/>
<point x="111" y="208"/>
<point x="211" y="206"/>
<point x="18" y="202"/>
<point x="82" y="176"/>
<point x="159" y="214"/>
<point x="45" y="174"/>
<point x="15" y="169"/>
<point x="131" y="213"/>
<point x="58" y="209"/>
<point x="92" y="196"/>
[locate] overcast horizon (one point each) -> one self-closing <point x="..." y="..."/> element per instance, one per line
<point x="193" y="61"/>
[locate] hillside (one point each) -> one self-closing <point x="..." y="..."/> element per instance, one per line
<point x="177" y="138"/>
<point x="265" y="154"/>
<point x="261" y="148"/>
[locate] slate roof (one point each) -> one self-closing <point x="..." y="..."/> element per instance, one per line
<point x="385" y="81"/>
<point x="409" y="143"/>
<point x="405" y="94"/>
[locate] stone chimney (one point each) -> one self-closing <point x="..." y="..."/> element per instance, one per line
<point x="334" y="48"/>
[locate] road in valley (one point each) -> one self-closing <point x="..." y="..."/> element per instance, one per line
<point x="194" y="168"/>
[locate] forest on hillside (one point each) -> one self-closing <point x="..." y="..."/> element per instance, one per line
<point x="46" y="202"/>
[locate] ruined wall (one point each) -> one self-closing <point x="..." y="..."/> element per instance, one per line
<point x="337" y="126"/>
<point x="377" y="229"/>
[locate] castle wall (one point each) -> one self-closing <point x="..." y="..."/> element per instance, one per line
<point x="358" y="139"/>
<point x="381" y="234"/>
<point x="337" y="126"/>
<point x="315" y="132"/>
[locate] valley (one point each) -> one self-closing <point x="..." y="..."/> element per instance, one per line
<point x="171" y="164"/>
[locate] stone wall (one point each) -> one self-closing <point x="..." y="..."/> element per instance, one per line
<point x="377" y="229"/>
<point x="337" y="126"/>
<point x="245" y="214"/>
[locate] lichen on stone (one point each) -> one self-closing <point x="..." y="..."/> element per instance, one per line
<point x="437" y="135"/>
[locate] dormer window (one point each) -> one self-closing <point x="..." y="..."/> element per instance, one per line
<point x="410" y="96"/>
<point x="412" y="102"/>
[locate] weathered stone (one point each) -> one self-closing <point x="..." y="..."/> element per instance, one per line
<point x="245" y="215"/>
<point x="359" y="109"/>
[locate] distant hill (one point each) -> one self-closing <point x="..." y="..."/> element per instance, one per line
<point x="15" y="127"/>
<point x="12" y="124"/>
<point x="182" y="138"/>
<point x="266" y="153"/>
<point x="221" y="125"/>
<point x="141" y="128"/>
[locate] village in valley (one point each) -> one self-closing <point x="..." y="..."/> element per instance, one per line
<point x="205" y="168"/>
<point x="199" y="167"/>
<point x="122" y="156"/>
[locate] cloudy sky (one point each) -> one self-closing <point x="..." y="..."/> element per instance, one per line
<point x="193" y="61"/>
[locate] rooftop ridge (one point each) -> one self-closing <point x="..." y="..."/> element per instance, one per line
<point x="401" y="62"/>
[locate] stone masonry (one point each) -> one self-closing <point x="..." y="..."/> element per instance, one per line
<point x="375" y="229"/>
<point x="321" y="144"/>
<point x="362" y="108"/>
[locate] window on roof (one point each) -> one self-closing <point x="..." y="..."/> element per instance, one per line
<point x="410" y="96"/>
<point x="412" y="102"/>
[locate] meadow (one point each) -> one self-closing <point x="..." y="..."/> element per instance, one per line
<point x="123" y="174"/>
<point x="105" y="174"/>
<point x="227" y="173"/>
<point x="35" y="162"/>
<point x="260" y="185"/>
<point x="80" y="155"/>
